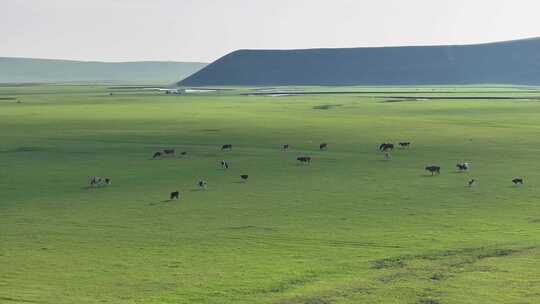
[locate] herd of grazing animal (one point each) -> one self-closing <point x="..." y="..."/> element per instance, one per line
<point x="386" y="147"/>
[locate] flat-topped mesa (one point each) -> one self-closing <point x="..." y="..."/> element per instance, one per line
<point x="512" y="62"/>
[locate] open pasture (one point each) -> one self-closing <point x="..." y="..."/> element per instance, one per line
<point x="351" y="227"/>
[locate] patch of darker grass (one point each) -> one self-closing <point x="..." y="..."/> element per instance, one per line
<point x="428" y="301"/>
<point x="25" y="149"/>
<point x="397" y="262"/>
<point x="326" y="106"/>
<point x="437" y="277"/>
<point x="292" y="283"/>
<point x="308" y="300"/>
<point x="250" y="227"/>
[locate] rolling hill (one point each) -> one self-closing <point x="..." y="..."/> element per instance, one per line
<point x="511" y="62"/>
<point x="25" y="70"/>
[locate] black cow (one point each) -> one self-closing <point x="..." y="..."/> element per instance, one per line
<point x="304" y="159"/>
<point x="323" y="146"/>
<point x="226" y="147"/>
<point x="175" y="195"/>
<point x="433" y="169"/>
<point x="244" y="177"/>
<point x="225" y="164"/>
<point x="385" y="147"/>
<point x="183" y="153"/>
<point x="517" y="180"/>
<point x="462" y="167"/>
<point x="96" y="181"/>
<point x="405" y="144"/>
<point x="165" y="152"/>
<point x="285" y="147"/>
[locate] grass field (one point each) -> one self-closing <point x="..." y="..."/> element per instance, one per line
<point x="349" y="228"/>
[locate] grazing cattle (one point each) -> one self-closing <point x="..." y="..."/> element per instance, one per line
<point x="285" y="147"/>
<point x="202" y="184"/>
<point x="244" y="177"/>
<point x="517" y="180"/>
<point x="405" y="144"/>
<point x="166" y="152"/>
<point x="323" y="146"/>
<point x="183" y="153"/>
<point x="96" y="181"/>
<point x="304" y="159"/>
<point x="175" y="195"/>
<point x="462" y="167"/>
<point x="472" y="182"/>
<point x="433" y="169"/>
<point x="226" y="147"/>
<point x="225" y="164"/>
<point x="385" y="147"/>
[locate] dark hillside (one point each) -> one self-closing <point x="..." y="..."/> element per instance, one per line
<point x="512" y="62"/>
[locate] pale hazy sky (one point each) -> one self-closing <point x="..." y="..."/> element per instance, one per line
<point x="203" y="30"/>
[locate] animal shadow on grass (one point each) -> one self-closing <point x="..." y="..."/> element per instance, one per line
<point x="94" y="188"/>
<point x="158" y="203"/>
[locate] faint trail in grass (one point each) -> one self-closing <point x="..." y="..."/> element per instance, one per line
<point x="308" y="242"/>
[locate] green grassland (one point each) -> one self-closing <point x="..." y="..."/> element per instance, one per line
<point x="349" y="228"/>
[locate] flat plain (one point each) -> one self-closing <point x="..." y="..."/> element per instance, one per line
<point x="349" y="228"/>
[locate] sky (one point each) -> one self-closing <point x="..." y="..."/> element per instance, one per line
<point x="204" y="30"/>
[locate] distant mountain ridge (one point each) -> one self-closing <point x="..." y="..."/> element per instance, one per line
<point x="21" y="70"/>
<point x="509" y="62"/>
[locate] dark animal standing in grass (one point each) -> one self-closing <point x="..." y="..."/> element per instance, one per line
<point x="166" y="152"/>
<point x="405" y="144"/>
<point x="463" y="167"/>
<point x="226" y="147"/>
<point x="472" y="182"/>
<point x="202" y="184"/>
<point x="433" y="169"/>
<point x="323" y="146"/>
<point x="225" y="164"/>
<point x="386" y="147"/>
<point x="96" y="181"/>
<point x="183" y="153"/>
<point x="304" y="159"/>
<point x="175" y="195"/>
<point x="285" y="147"/>
<point x="244" y="177"/>
<point x="517" y="181"/>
